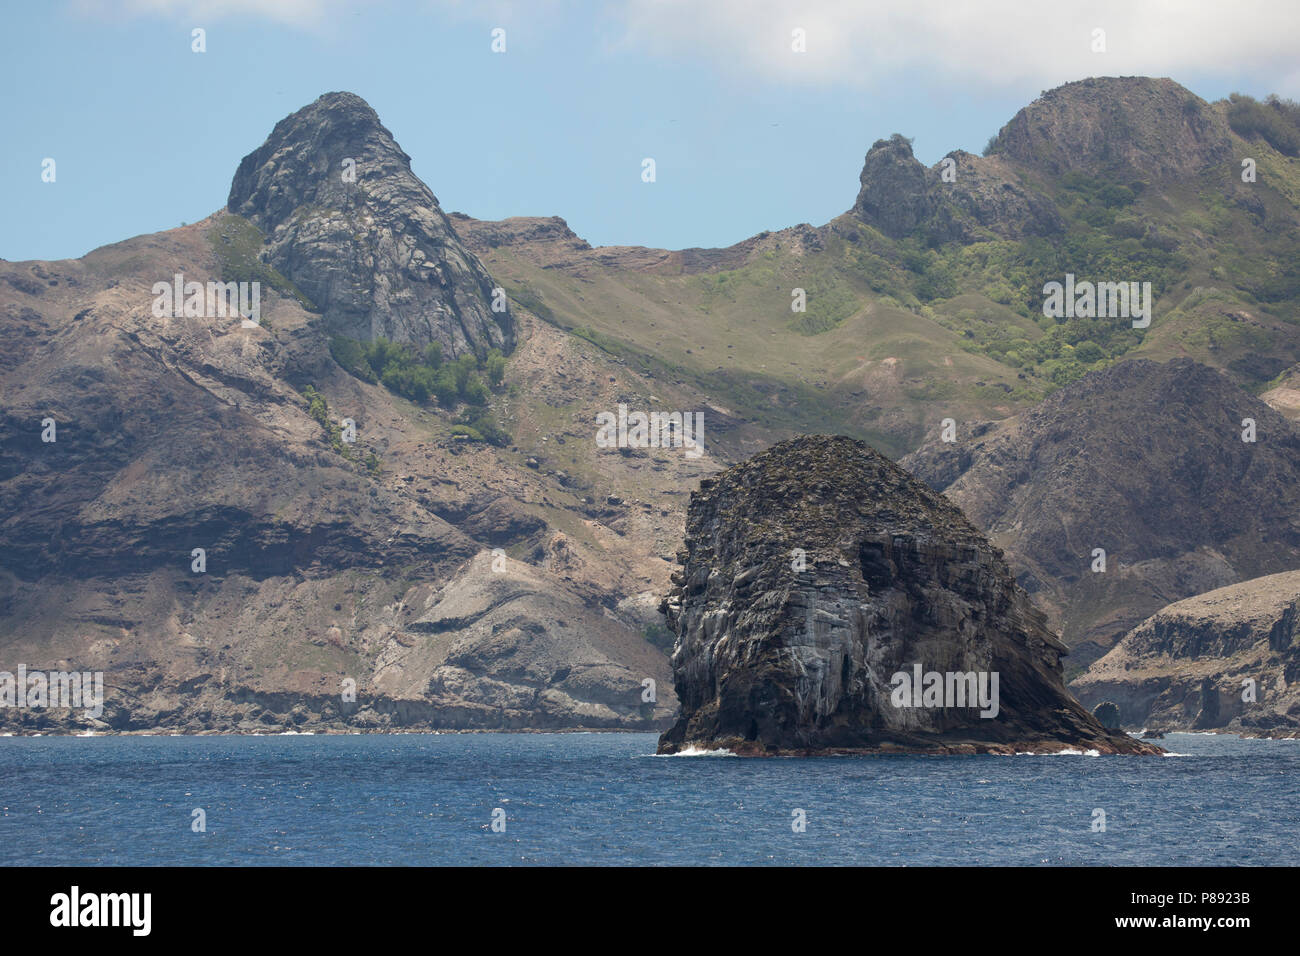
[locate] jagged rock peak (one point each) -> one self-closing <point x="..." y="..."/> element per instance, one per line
<point x="301" y="161"/>
<point x="895" y="194"/>
<point x="1144" y="125"/>
<point x="963" y="197"/>
<point x="363" y="238"/>
<point x="815" y="572"/>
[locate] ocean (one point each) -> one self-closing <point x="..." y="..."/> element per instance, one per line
<point x="568" y="799"/>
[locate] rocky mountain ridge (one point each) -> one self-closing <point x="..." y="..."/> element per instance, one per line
<point x="959" y="199"/>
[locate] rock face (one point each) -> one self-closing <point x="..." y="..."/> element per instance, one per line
<point x="1145" y="461"/>
<point x="1139" y="125"/>
<point x="895" y="195"/>
<point x="773" y="656"/>
<point x="987" y="199"/>
<point x="362" y="237"/>
<point x="980" y="198"/>
<point x="514" y="648"/>
<point x="1185" y="667"/>
<point x="1135" y="127"/>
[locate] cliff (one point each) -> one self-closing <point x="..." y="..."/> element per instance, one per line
<point x="1227" y="660"/>
<point x="361" y="236"/>
<point x="817" y="571"/>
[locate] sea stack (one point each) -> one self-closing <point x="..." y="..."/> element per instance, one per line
<point x="829" y="602"/>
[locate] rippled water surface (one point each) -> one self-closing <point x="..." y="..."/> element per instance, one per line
<point x="603" y="798"/>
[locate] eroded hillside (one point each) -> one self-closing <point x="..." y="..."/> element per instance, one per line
<point x="392" y="467"/>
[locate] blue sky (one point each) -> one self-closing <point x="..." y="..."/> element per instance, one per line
<point x="746" y="133"/>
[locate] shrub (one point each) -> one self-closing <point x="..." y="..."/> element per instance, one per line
<point x="1277" y="121"/>
<point x="478" y="425"/>
<point x="469" y="432"/>
<point x="476" y="393"/>
<point x="419" y="375"/>
<point x="1088" y="352"/>
<point x="495" y="367"/>
<point x="462" y="369"/>
<point x="444" y="386"/>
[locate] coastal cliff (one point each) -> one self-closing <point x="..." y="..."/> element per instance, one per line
<point x="1226" y="661"/>
<point x="819" y="581"/>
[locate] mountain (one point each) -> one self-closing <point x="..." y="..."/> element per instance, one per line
<point x="415" y="390"/>
<point x="1225" y="660"/>
<point x="1144" y="461"/>
<point x="1125" y="125"/>
<point x="456" y="581"/>
<point x="816" y="573"/>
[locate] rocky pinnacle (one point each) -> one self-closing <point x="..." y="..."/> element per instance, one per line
<point x="363" y="238"/>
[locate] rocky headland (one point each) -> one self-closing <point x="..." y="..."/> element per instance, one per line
<point x="1227" y="661"/>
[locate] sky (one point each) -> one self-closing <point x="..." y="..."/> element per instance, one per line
<point x="746" y="132"/>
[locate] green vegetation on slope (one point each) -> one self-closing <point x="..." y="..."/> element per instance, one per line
<point x="1104" y="240"/>
<point x="898" y="333"/>
<point x="421" y="375"/>
<point x="237" y="244"/>
<point x="1276" y="121"/>
<point x="739" y="346"/>
<point x="319" y="409"/>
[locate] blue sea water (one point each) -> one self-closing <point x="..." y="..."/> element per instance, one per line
<point x="428" y="799"/>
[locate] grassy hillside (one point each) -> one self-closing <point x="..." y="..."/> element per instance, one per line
<point x="875" y="367"/>
<point x="900" y="333"/>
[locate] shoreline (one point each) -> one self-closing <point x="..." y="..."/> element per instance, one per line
<point x="956" y="749"/>
<point x="329" y="732"/>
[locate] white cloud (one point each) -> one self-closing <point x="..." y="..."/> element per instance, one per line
<point x="994" y="44"/>
<point x="990" y="45"/>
